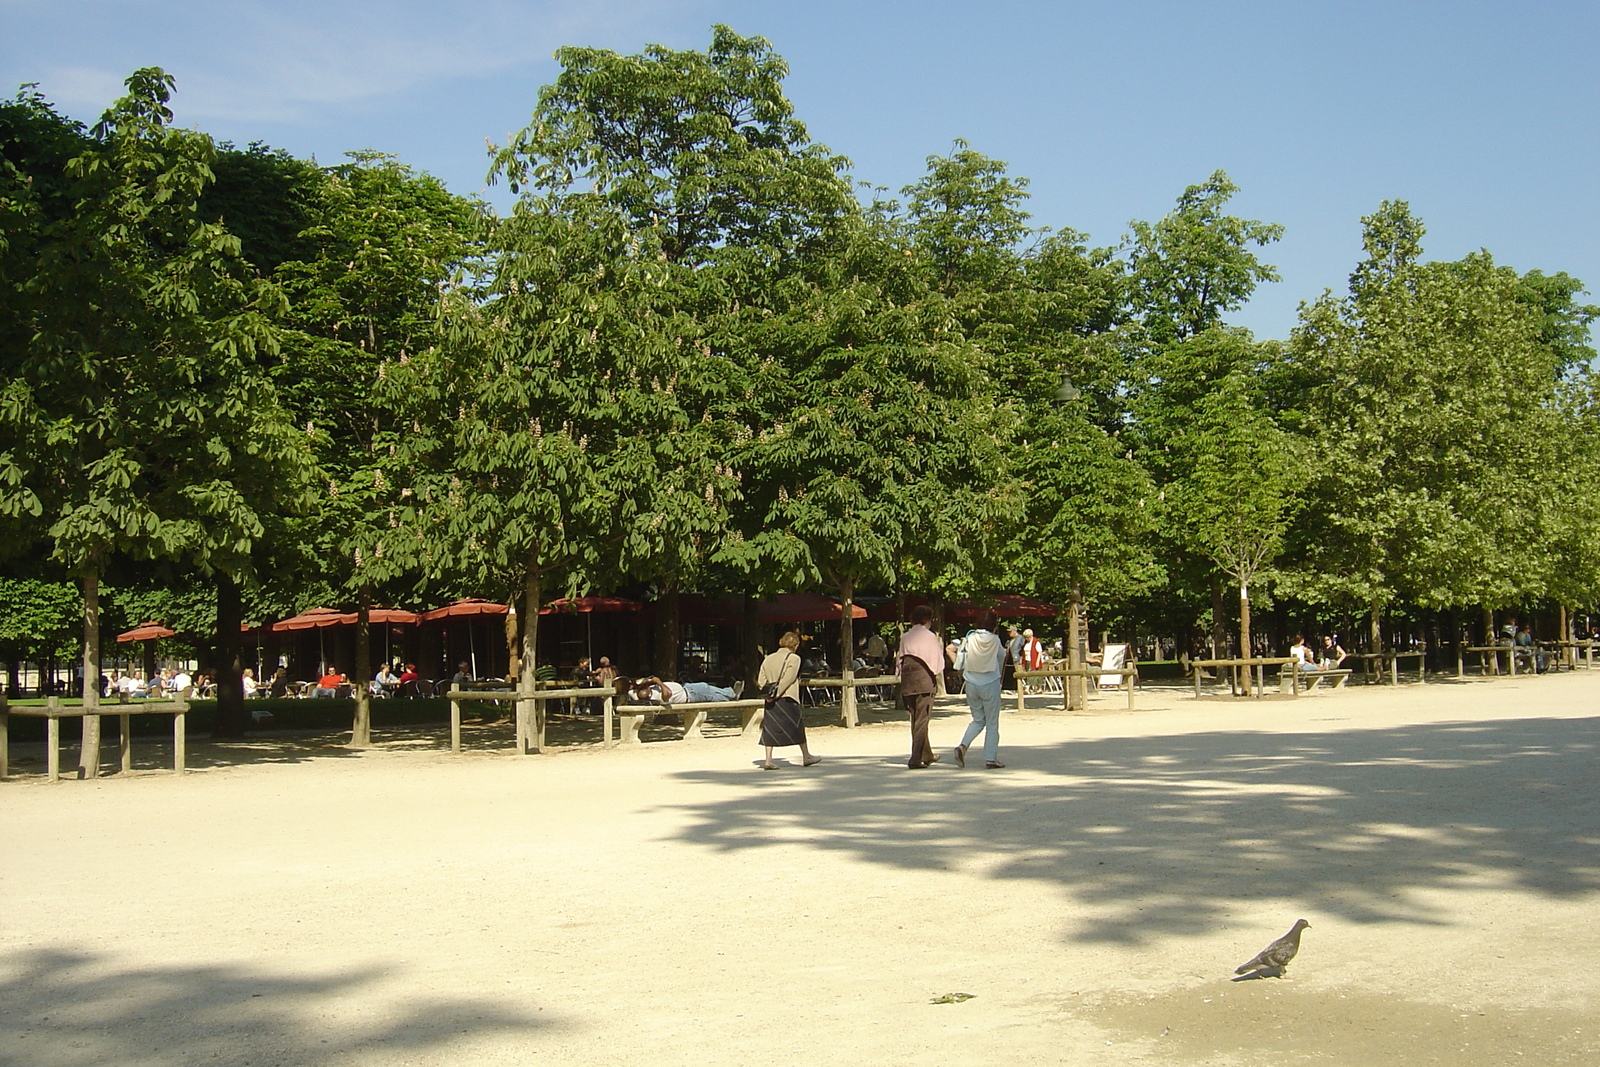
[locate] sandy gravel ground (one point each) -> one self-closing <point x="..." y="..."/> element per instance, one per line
<point x="296" y="904"/>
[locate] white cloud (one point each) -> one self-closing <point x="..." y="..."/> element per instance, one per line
<point x="262" y="61"/>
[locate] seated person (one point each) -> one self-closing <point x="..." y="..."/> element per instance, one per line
<point x="1305" y="659"/>
<point x="462" y="676"/>
<point x="177" y="682"/>
<point x="384" y="683"/>
<point x="584" y="675"/>
<point x="653" y="690"/>
<point x="410" y="681"/>
<point x="1330" y="655"/>
<point x="1527" y="647"/>
<point x="280" y="683"/>
<point x="247" y="682"/>
<point x="132" y="685"/>
<point x="328" y="685"/>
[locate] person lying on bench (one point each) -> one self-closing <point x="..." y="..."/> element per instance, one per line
<point x="653" y="690"/>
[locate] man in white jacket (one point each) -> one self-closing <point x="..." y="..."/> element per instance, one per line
<point x="984" y="657"/>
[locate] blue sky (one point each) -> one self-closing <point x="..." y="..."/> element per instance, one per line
<point x="1482" y="115"/>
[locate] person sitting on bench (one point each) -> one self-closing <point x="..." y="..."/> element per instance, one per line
<point x="1305" y="658"/>
<point x="1332" y="655"/>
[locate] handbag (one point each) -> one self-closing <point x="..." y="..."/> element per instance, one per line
<point x="960" y="663"/>
<point x="769" y="692"/>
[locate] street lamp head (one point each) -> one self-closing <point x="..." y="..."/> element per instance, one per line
<point x="1067" y="391"/>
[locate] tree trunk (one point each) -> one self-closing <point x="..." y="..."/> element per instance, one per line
<point x="89" y="756"/>
<point x="1489" y="639"/>
<point x="1244" y="634"/>
<point x="513" y="640"/>
<point x="750" y="641"/>
<point x="231" y="719"/>
<point x="847" y="638"/>
<point x="1075" y="688"/>
<point x="361" y="727"/>
<point x="1376" y="622"/>
<point x="530" y="713"/>
<point x="937" y="604"/>
<point x="1219" y="640"/>
<point x="669" y="642"/>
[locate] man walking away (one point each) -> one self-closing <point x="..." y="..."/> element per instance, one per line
<point x="921" y="659"/>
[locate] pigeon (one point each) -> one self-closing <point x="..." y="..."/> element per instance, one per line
<point x="1277" y="955"/>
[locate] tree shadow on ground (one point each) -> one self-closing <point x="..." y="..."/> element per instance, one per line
<point x="1168" y="833"/>
<point x="66" y="1009"/>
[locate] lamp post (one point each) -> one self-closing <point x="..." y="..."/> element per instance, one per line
<point x="1066" y="392"/>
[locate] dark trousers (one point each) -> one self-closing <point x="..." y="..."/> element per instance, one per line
<point x="917" y="687"/>
<point x="921" y="706"/>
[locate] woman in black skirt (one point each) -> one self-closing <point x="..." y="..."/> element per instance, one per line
<point x="783" y="725"/>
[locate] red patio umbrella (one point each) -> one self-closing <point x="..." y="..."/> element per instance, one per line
<point x="1002" y="604"/>
<point x="394" y="616"/>
<point x="590" y="604"/>
<point x="786" y="607"/>
<point x="710" y="611"/>
<point x="805" y="607"/>
<point x="467" y="606"/>
<point x="146" y="631"/>
<point x="307" y="620"/>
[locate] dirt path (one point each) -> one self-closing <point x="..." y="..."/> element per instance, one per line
<point x="672" y="904"/>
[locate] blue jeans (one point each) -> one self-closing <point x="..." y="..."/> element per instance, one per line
<point x="984" y="700"/>
<point x="705" y="692"/>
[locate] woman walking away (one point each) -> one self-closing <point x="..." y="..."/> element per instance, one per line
<point x="982" y="658"/>
<point x="783" y="725"/>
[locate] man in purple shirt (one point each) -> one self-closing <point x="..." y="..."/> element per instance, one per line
<point x="919" y="665"/>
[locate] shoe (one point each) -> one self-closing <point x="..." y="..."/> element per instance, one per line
<point x="812" y="762"/>
<point x="993" y="765"/>
<point x="934" y="758"/>
<point x="738" y="689"/>
<point x="961" y="755"/>
<point x="915" y="766"/>
<point x="769" y="766"/>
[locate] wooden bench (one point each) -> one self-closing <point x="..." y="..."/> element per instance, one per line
<point x="631" y="716"/>
<point x="1311" y="681"/>
<point x="54" y="711"/>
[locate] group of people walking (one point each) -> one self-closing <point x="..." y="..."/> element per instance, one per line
<point x="980" y="657"/>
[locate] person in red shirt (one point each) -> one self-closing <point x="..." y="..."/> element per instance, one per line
<point x="328" y="685"/>
<point x="409" y="679"/>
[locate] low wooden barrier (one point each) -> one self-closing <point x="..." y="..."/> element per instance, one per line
<point x="54" y="711"/>
<point x="1129" y="675"/>
<point x="1489" y="658"/>
<point x="1260" y="665"/>
<point x="1570" y="652"/>
<point x="1393" y="659"/>
<point x="848" y="686"/>
<point x="530" y="736"/>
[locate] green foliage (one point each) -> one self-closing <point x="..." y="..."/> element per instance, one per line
<point x="879" y="437"/>
<point x="1433" y="419"/>
<point x="1195" y="263"/>
<point x="702" y="149"/>
<point x="148" y="421"/>
<point x="38" y="619"/>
